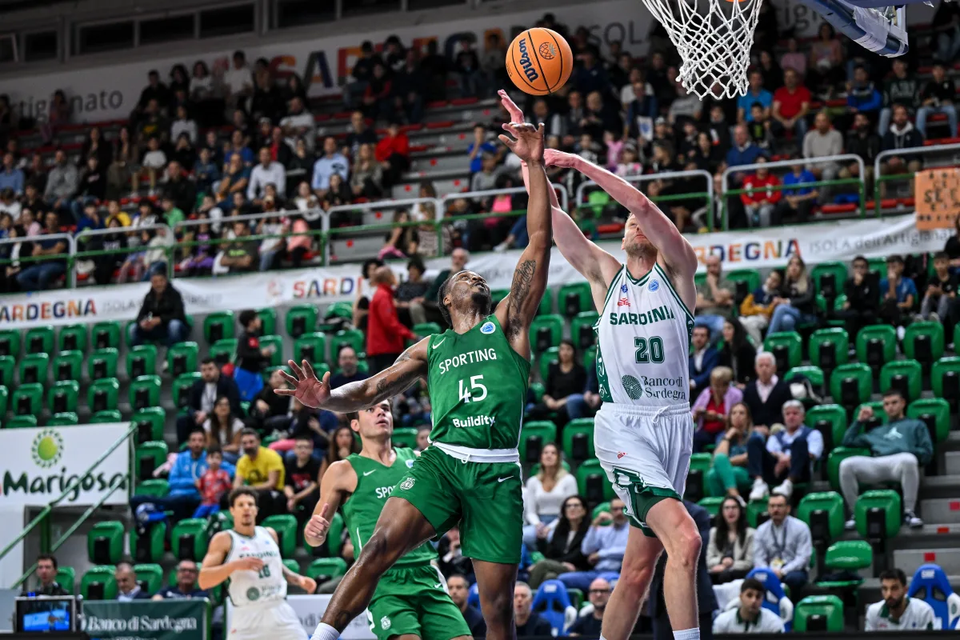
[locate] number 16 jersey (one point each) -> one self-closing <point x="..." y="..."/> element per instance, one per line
<point x="643" y="336"/>
<point x="478" y="388"/>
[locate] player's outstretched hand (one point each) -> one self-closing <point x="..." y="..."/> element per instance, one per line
<point x="248" y="564"/>
<point x="516" y="114"/>
<point x="555" y="158"/>
<point x="319" y="524"/>
<point x="310" y="391"/>
<point x="528" y="144"/>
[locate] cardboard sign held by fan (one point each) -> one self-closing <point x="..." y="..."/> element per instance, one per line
<point x="937" y="197"/>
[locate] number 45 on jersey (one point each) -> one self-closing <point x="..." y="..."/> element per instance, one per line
<point x="475" y="392"/>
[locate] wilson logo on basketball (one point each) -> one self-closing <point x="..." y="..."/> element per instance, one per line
<point x="525" y="62"/>
<point x="547" y="51"/>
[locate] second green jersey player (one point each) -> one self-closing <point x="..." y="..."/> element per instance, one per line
<point x="477" y="373"/>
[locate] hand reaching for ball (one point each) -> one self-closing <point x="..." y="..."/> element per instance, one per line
<point x="515" y="112"/>
<point x="528" y="144"/>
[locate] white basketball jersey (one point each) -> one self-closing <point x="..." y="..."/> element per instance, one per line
<point x="643" y="337"/>
<point x="250" y="587"/>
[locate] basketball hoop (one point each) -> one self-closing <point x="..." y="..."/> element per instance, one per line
<point x="714" y="38"/>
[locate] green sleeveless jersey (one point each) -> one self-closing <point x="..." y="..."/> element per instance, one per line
<point x="375" y="483"/>
<point x="478" y="387"/>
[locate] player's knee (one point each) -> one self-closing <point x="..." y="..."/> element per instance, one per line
<point x="684" y="547"/>
<point x="377" y="554"/>
<point x="635" y="576"/>
<point x="498" y="607"/>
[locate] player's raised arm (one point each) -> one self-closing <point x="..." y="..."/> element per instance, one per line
<point x="312" y="392"/>
<point x="337" y="483"/>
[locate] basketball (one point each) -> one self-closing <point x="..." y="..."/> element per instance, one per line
<point x="539" y="61"/>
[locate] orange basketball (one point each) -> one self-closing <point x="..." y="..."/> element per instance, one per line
<point x="539" y="61"/>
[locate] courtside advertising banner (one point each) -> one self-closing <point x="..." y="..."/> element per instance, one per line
<point x="40" y="464"/>
<point x="310" y="608"/>
<point x="147" y="619"/>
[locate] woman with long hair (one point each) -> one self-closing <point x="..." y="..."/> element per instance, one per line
<point x="342" y="444"/>
<point x="737" y="352"/>
<point x="561" y="543"/>
<point x="96" y="146"/>
<point x="566" y="378"/>
<point x="712" y="406"/>
<point x="796" y="302"/>
<point x="545" y="493"/>
<point x="729" y="475"/>
<point x="223" y="428"/>
<point x="730" y="549"/>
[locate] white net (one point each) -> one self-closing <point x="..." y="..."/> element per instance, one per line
<point x="714" y="39"/>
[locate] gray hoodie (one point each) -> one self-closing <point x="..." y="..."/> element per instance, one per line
<point x="61" y="182"/>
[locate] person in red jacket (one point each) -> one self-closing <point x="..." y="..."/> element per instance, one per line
<point x="393" y="154"/>
<point x="385" y="333"/>
<point x="760" y="204"/>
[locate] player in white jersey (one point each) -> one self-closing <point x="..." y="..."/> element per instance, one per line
<point x="248" y="556"/>
<point x="897" y="611"/>
<point x="643" y="431"/>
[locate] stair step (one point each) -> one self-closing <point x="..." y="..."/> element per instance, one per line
<point x="943" y="510"/>
<point x="951" y="462"/>
<point x="908" y="560"/>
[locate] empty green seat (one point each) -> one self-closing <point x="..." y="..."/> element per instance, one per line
<point x="851" y="384"/>
<point x="592" y="482"/>
<point x="156" y="488"/>
<point x="98" y="583"/>
<point x="945" y="378"/>
<point x="4" y="397"/>
<point x="935" y="412"/>
<point x="107" y="416"/>
<point x="581" y="329"/>
<point x="73" y="337"/>
<point x="335" y="535"/>
<point x="830" y="420"/>
<point x="181" y="389"/>
<point x="148" y="456"/>
<point x="311" y="347"/>
<point x="923" y="342"/>
<point x="324" y="569"/>
<point x="829" y="347"/>
<point x="148" y="548"/>
<point x="846" y="555"/>
<point x="102" y="363"/>
<point x="405" y="437"/>
<point x="425" y="329"/>
<point x="546" y="331"/>
<point x="8" y="365"/>
<point x="342" y="310"/>
<point x="149" y="423"/>
<point x="786" y="347"/>
<point x="574" y="298"/>
<point x="905" y="375"/>
<point x="105" y="542"/>
<point x="578" y="440"/>
<point x="182" y="358"/>
<point x="811" y="372"/>
<point x="712" y="504"/>
<point x="823" y="513"/>
<point x="218" y="326"/>
<point x="67" y="578"/>
<point x="886" y="504"/>
<point x="751" y="282"/>
<point x="33" y="368"/>
<point x="300" y="320"/>
<point x="67" y="365"/>
<point x="292" y="565"/>
<point x="63" y="396"/>
<point x="546" y="303"/>
<point x="534" y="437"/>
<point x="876" y="344"/>
<point x="268" y="316"/>
<point x="276" y="358"/>
<point x="835" y="457"/>
<point x="10" y="343"/>
<point x="286" y="528"/>
<point x="27" y="400"/>
<point x="105" y="335"/>
<point x="38" y="340"/>
<point x="829" y="277"/>
<point x="224" y="351"/>
<point x="145" y="392"/>
<point x="547" y="358"/>
<point x="755" y="508"/>
<point x="189" y="539"/>
<point x="21" y="422"/>
<point x="818" y="613"/>
<point x="149" y="576"/>
<point x="63" y="419"/>
<point x="142" y="361"/>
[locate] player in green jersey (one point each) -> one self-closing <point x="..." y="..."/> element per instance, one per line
<point x="477" y="375"/>
<point x="411" y="601"/>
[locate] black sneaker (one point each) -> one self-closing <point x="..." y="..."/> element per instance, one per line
<point x="911" y="520"/>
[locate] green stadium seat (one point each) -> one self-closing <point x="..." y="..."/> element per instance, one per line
<point x="876" y="345"/>
<point x="786" y="347"/>
<point x="8" y="365"/>
<point x="189" y="539"/>
<point x="750" y="279"/>
<point x="923" y="342"/>
<point x="935" y="413"/>
<point x="182" y="358"/>
<point x="268" y="316"/>
<point x="697" y="486"/>
<point x="835" y="457"/>
<point x="63" y="396"/>
<point x="755" y="509"/>
<point x="156" y="488"/>
<point x="311" y="347"/>
<point x="34" y="368"/>
<point x="878" y="514"/>
<point x="149" y="423"/>
<point x="831" y="421"/>
<point x="851" y="384"/>
<point x="352" y="337"/>
<point x="405" y="437"/>
<point x="38" y="340"/>
<point x="846" y="555"/>
<point x="546" y="359"/>
<point x="335" y="535"/>
<point x="105" y="335"/>
<point x="63" y="419"/>
<point x="148" y="457"/>
<point x="292" y="565"/>
<point x="818" y="613"/>
<point x="102" y="363"/>
<point x="10" y="343"/>
<point x="149" y="576"/>
<point x="108" y="416"/>
<point x="218" y="326"/>
<point x="905" y="375"/>
<point x="150" y="547"/>
<point x="533" y="438"/>
<point x="145" y="392"/>
<point x="829" y="277"/>
<point x="546" y="303"/>
<point x="538" y="391"/>
<point x="223" y="351"/>
<point x="21" y="422"/>
<point x="27" y="400"/>
<point x="300" y="320"/>
<point x="578" y="440"/>
<point x="811" y="372"/>
<point x="581" y="330"/>
<point x="67" y="578"/>
<point x="276" y="358"/>
<point x="142" y="361"/>
<point x="573" y="299"/>
<point x="497" y="296"/>
<point x="98" y="583"/>
<point x="73" y="337"/>
<point x="105" y="542"/>
<point x="546" y="331"/>
<point x="181" y="389"/>
<point x="324" y="569"/>
<point x="286" y="528"/>
<point x="4" y="396"/>
<point x="712" y="504"/>
<point x="342" y="310"/>
<point x="68" y="365"/>
<point x="945" y="380"/>
<point x="823" y="306"/>
<point x="592" y="482"/>
<point x="829" y="347"/>
<point x="425" y="329"/>
<point x="823" y="513"/>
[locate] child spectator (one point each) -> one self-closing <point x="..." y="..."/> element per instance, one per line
<point x="212" y="484"/>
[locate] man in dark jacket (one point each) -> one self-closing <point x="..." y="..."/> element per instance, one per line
<point x="460" y="594"/>
<point x="863" y="298"/>
<point x="203" y="395"/>
<point x="179" y="189"/>
<point x="765" y="395"/>
<point x="47" y="584"/>
<point x="900" y="90"/>
<point x="161" y="316"/>
<point x="529" y="623"/>
<point x="863" y="141"/>
<point x="901" y="135"/>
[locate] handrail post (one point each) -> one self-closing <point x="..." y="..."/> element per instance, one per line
<point x="45" y="532"/>
<point x="325" y="229"/>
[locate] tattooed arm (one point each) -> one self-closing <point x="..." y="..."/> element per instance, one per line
<point x="519" y="308"/>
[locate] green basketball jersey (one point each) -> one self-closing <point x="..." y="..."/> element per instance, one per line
<point x="375" y="483"/>
<point x="478" y="388"/>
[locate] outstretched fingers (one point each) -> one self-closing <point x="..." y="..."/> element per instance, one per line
<point x="296" y="370"/>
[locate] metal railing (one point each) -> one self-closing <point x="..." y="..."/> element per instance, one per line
<point x="87" y="254"/>
<point x="67" y="257"/>
<point x="912" y="151"/>
<point x="707" y="196"/>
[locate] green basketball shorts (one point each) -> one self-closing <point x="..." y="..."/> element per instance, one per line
<point x="484" y="498"/>
<point x="414" y="600"/>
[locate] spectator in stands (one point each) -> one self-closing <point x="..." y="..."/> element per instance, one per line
<point x="947" y="28"/>
<point x="39" y="276"/>
<point x="362" y="73"/>
<point x="743" y="151"/>
<point x="783" y="545"/>
<point x="729" y="475"/>
<point x="941" y="292"/>
<point x="467" y="66"/>
<point x="331" y="162"/>
<point x="123" y="174"/>
<point x="737" y="352"/>
<point x="766" y="395"/>
<point x="546" y="492"/>
<point x="359" y="134"/>
<point x="459" y="590"/>
<point x="393" y="154"/>
<point x="186" y="587"/>
<point x="47" y="584"/>
<point x="342" y="444"/>
<point x="376" y="97"/>
<point x="61" y="185"/>
<point x="862" y="140"/>
<point x="299" y="124"/>
<point x="179" y="189"/>
<point x="604" y="546"/>
<point x="410" y="294"/>
<point x="237" y="81"/>
<point x="183" y="124"/>
<point x="408" y="87"/>
<point x="423" y="437"/>
<point x="161" y="316"/>
<point x="756" y="94"/>
<point x="863" y="298"/>
<point x="822" y="142"/>
<point x="760" y="128"/>
<point x="451" y="558"/>
<point x="897" y="612"/>
<point x="730" y="548"/>
<point x="215" y="482"/>
<point x="825" y="70"/>
<point x="262" y="470"/>
<point x="223" y="427"/>
<point x="529" y="623"/>
<point x="267" y="172"/>
<point x="385" y="333"/>
<point x="189" y="465"/>
<point x="458" y="261"/>
<point x="11" y="177"/>
<point x="236" y="177"/>
<point x="480" y="147"/>
<point x="566" y="378"/>
<point x="251" y="358"/>
<point x="560" y="543"/>
<point x="786" y="457"/>
<point x="900" y="135"/>
<point x="203" y="395"/>
<point x="750" y="616"/>
<point x="301" y="488"/>
<point x="347" y="371"/>
<point x="796" y="305"/>
<point x="899" y="295"/>
<point x="760" y="205"/>
<point x="366" y="174"/>
<point x="791" y="104"/>
<point x="938" y="97"/>
<point x="900" y="90"/>
<point x="862" y="95"/>
<point x="898" y="449"/>
<point x="127" y="587"/>
<point x="712" y="406"/>
<point x="154" y="160"/>
<point x="714" y="299"/>
<point x="155" y="90"/>
<point x="703" y="359"/>
<point x="590" y="624"/>
<point x="240" y="255"/>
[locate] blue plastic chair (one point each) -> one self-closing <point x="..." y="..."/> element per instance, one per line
<point x="775" y="592"/>
<point x="930" y="584"/>
<point x="474" y="598"/>
<point x="553" y="603"/>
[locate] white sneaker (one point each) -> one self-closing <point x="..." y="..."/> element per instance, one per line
<point x="759" y="491"/>
<point x="910" y="519"/>
<point x="785" y="488"/>
<point x="901" y="332"/>
<point x="850" y="524"/>
<point x="934" y="317"/>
